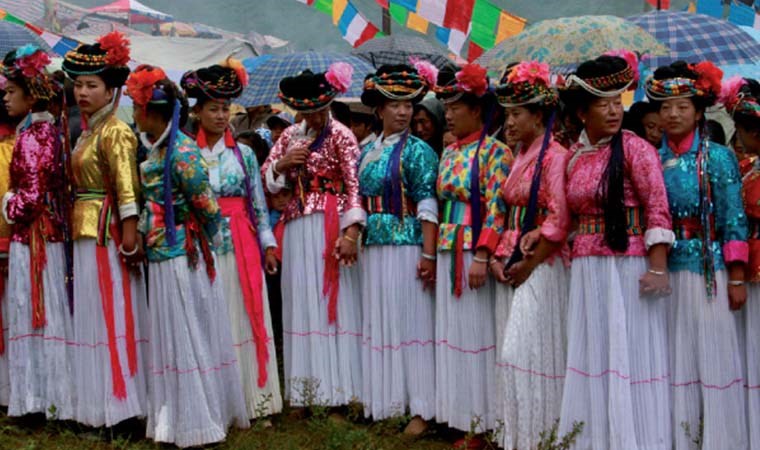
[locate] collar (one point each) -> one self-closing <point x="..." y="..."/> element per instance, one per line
<point x="308" y="132"/>
<point x="372" y="137"/>
<point x="220" y="146"/>
<point x="390" y="140"/>
<point x="34" y="117"/>
<point x="227" y="139"/>
<point x="685" y="145"/>
<point x="97" y="118"/>
<point x="468" y="139"/>
<point x="586" y="142"/>
<point x="154" y="145"/>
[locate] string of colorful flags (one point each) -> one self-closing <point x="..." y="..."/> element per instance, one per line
<point x="59" y="44"/>
<point x="353" y="26"/>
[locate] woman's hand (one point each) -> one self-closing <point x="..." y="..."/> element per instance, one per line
<point x="655" y="283"/>
<point x="529" y="242"/>
<point x="737" y="296"/>
<point x="426" y="273"/>
<point x="519" y="272"/>
<point x="496" y="266"/>
<point x="346" y="250"/>
<point x="477" y="275"/>
<point x="295" y="157"/>
<point x="270" y="261"/>
<point x="133" y="253"/>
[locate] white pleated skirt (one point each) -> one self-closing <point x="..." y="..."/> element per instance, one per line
<point x="259" y="401"/>
<point x="465" y="352"/>
<point x="398" y="355"/>
<point x="194" y="385"/>
<point x="40" y="368"/>
<point x="617" y="361"/>
<point x="750" y="334"/>
<point x="706" y="368"/>
<point x="5" y="381"/>
<point x="322" y="360"/>
<point x="96" y="404"/>
<point x="533" y="356"/>
<point x="503" y="294"/>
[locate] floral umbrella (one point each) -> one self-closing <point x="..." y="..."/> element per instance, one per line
<point x="570" y="41"/>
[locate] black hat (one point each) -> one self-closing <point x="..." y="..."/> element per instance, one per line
<point x="309" y="91"/>
<point x="456" y="83"/>
<point x="218" y="82"/>
<point x="107" y="58"/>
<point x="393" y="82"/>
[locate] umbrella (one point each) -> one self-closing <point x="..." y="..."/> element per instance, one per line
<point x="13" y="36"/>
<point x="697" y="37"/>
<point x="398" y="49"/>
<point x="265" y="79"/>
<point x="570" y="40"/>
<point x="137" y="12"/>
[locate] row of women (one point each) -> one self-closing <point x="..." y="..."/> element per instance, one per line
<point x="467" y="305"/>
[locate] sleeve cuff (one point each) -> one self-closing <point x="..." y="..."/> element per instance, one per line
<point x="353" y="216"/>
<point x="274" y="184"/>
<point x="736" y="251"/>
<point x="553" y="233"/>
<point x="489" y="239"/>
<point x="427" y="210"/>
<point x="6" y="198"/>
<point x="267" y="239"/>
<point x="128" y="210"/>
<point x="655" y="236"/>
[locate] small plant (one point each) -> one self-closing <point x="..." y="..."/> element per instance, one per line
<point x="550" y="439"/>
<point x="261" y="412"/>
<point x="308" y="390"/>
<point x="52" y="412"/>
<point x="697" y="440"/>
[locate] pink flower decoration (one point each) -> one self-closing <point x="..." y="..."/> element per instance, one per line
<point x="729" y="92"/>
<point x="339" y="76"/>
<point x="3" y="82"/>
<point x="630" y="58"/>
<point x="33" y="64"/>
<point x="530" y="72"/>
<point x="426" y="69"/>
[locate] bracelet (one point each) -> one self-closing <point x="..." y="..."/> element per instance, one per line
<point x="493" y="261"/>
<point x="121" y="250"/>
<point x="480" y="260"/>
<point x="657" y="272"/>
<point x="349" y="238"/>
<point x="736" y="282"/>
<point x="428" y="257"/>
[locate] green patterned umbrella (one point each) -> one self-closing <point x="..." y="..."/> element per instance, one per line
<point x="570" y="41"/>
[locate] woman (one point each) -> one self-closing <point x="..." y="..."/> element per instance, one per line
<point x="320" y="289"/>
<point x="531" y="347"/>
<point x="616" y="382"/>
<point x="429" y="123"/>
<point x="195" y="390"/>
<point x="235" y="178"/>
<point x="741" y="97"/>
<point x="39" y="314"/>
<point x="643" y="118"/>
<point x="7" y="139"/>
<point x="110" y="301"/>
<point x="708" y="260"/>
<point x="470" y="174"/>
<point x="397" y="177"/>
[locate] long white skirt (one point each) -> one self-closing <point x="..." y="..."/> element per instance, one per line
<point x="398" y="356"/>
<point x="5" y="381"/>
<point x="751" y="335"/>
<point x="533" y="356"/>
<point x="96" y="404"/>
<point x="617" y="360"/>
<point x="465" y="366"/>
<point x="194" y="385"/>
<point x="259" y="401"/>
<point x="705" y="366"/>
<point x="39" y="359"/>
<point x="503" y="294"/>
<point x="322" y="360"/>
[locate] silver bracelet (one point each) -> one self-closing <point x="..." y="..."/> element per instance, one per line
<point x="736" y="282"/>
<point x="121" y="250"/>
<point x="480" y="260"/>
<point x="656" y="272"/>
<point x="428" y="257"/>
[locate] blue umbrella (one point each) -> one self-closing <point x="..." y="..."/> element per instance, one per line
<point x="13" y="36"/>
<point x="265" y="79"/>
<point x="697" y="37"/>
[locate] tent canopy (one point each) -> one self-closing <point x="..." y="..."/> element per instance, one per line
<point x="138" y="13"/>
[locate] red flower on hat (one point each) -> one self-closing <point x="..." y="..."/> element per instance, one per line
<point x="472" y="78"/>
<point x="141" y="82"/>
<point x="710" y="77"/>
<point x="116" y="46"/>
<point x="33" y="65"/>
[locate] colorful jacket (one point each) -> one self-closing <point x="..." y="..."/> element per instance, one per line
<point x="419" y="170"/>
<point x="751" y="196"/>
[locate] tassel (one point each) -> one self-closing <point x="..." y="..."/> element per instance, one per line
<point x="106" y="288"/>
<point x="458" y="262"/>
<point x="331" y="276"/>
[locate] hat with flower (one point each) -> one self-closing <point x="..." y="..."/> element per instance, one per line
<point x="526" y="83"/>
<point x="107" y="58"/>
<point x="399" y="82"/>
<point x="310" y="92"/>
<point x="702" y="81"/>
<point x="26" y="65"/>
<point x="609" y="75"/>
<point x="223" y="81"/>
<point x="454" y="83"/>
<point x="741" y="97"/>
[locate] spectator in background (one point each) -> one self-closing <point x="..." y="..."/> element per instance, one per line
<point x="341" y="112"/>
<point x="254" y="118"/>
<point x="257" y="143"/>
<point x="643" y="118"/>
<point x="277" y="124"/>
<point x="714" y="131"/>
<point x="363" y="123"/>
<point x="429" y="124"/>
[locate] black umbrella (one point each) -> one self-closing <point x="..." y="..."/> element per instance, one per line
<point x="398" y="49"/>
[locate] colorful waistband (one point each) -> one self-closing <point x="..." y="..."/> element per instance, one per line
<point x="456" y="212"/>
<point x="594" y="224"/>
<point x="516" y="215"/>
<point x="691" y="228"/>
<point x="320" y="184"/>
<point x="380" y="205"/>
